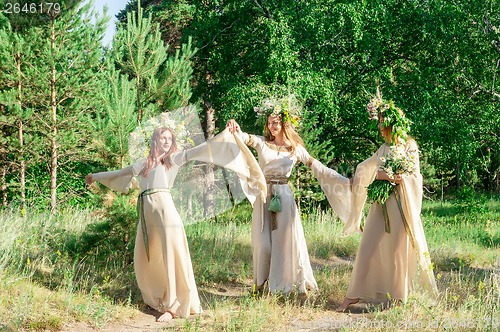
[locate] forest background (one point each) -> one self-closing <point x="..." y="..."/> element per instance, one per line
<point x="68" y="104"/>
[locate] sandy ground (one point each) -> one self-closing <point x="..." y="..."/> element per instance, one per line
<point x="327" y="320"/>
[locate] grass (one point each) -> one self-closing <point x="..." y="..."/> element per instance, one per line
<point x="76" y="267"/>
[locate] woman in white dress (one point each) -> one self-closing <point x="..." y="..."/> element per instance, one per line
<point x="393" y="255"/>
<point x="280" y="254"/>
<point x="162" y="263"/>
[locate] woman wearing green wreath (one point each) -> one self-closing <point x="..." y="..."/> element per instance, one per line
<point x="393" y="256"/>
<point x="280" y="254"/>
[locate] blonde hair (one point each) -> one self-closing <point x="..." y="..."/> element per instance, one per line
<point x="154" y="152"/>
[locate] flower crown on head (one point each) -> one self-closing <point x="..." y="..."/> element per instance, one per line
<point x="140" y="139"/>
<point x="287" y="108"/>
<point x="393" y="116"/>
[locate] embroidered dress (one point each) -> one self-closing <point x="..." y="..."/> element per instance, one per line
<point x="166" y="278"/>
<point x="279" y="253"/>
<point x="389" y="265"/>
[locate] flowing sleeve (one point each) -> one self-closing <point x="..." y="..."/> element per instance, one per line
<point x="336" y="187"/>
<point x="411" y="201"/>
<point x="364" y="175"/>
<point x="253" y="141"/>
<point x="230" y="151"/>
<point x="120" y="180"/>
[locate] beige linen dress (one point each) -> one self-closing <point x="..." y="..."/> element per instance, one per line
<point x="167" y="281"/>
<point x="389" y="265"/>
<point x="279" y="256"/>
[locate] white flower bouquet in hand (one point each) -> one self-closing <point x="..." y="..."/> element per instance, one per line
<point x="396" y="162"/>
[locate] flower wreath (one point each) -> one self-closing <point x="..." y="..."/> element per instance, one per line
<point x="287" y="108"/>
<point x="393" y="116"/>
<point x="183" y="121"/>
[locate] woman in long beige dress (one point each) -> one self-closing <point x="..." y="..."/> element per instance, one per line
<point x="389" y="264"/>
<point x="280" y="254"/>
<point x="162" y="263"/>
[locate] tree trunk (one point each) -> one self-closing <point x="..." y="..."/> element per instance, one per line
<point x="139" y="106"/>
<point x="22" y="163"/>
<point x="20" y="132"/>
<point x="4" y="186"/>
<point x="209" y="206"/>
<point x="53" y="134"/>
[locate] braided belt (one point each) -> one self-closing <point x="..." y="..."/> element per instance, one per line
<point x="277" y="180"/>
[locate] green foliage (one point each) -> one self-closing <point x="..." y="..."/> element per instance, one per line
<point x="160" y="79"/>
<point x="462" y="234"/>
<point x="380" y="190"/>
<point x="111" y="238"/>
<point x="54" y="61"/>
<point x="117" y="119"/>
<point x="469" y="202"/>
<point x="435" y="59"/>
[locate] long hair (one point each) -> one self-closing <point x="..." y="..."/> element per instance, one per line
<point x="154" y="152"/>
<point x="288" y="131"/>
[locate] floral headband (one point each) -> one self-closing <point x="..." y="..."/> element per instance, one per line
<point x="393" y="116"/>
<point x="287" y="108"/>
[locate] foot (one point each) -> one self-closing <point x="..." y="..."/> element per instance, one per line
<point x="346" y="303"/>
<point x="165" y="317"/>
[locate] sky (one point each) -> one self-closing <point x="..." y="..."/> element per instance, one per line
<point x="114" y="6"/>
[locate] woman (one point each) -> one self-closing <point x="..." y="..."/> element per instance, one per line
<point x="280" y="254"/>
<point x="162" y="263"/>
<point x="393" y="253"/>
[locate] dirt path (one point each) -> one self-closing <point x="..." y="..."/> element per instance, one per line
<point x="327" y="320"/>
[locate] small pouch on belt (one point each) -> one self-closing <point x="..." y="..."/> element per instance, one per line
<point x="275" y="203"/>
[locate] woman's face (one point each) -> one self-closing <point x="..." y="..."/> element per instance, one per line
<point x="165" y="141"/>
<point x="274" y="125"/>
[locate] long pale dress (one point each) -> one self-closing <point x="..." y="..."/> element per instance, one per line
<point x="388" y="265"/>
<point x="167" y="281"/>
<point x="279" y="256"/>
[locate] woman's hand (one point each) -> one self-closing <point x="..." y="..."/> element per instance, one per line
<point x="382" y="175"/>
<point x="397" y="179"/>
<point x="233" y="126"/>
<point x="88" y="179"/>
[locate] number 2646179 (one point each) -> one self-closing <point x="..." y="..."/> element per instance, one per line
<point x="32" y="8"/>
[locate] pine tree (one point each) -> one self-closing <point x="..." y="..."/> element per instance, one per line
<point x="69" y="53"/>
<point x="15" y="56"/>
<point x="118" y="117"/>
<point x="140" y="53"/>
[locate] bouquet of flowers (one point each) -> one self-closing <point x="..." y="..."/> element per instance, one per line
<point x="396" y="162"/>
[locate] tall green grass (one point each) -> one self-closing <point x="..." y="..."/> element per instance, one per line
<point x="76" y="267"/>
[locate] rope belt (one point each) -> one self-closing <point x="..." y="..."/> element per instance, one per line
<point x="405" y="221"/>
<point x="140" y="212"/>
<point x="278" y="180"/>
